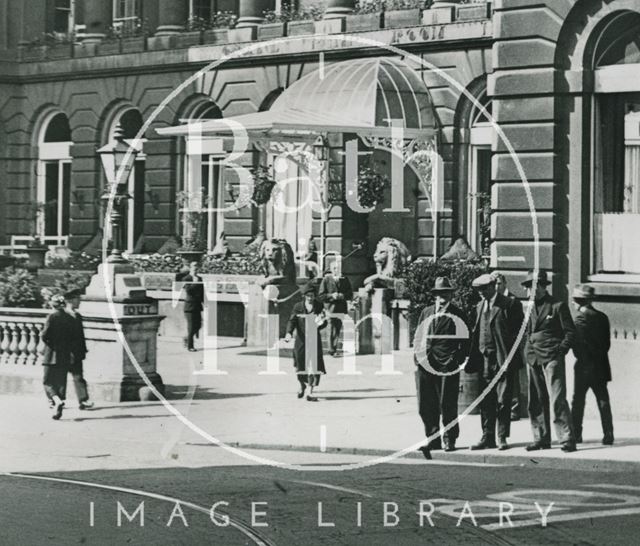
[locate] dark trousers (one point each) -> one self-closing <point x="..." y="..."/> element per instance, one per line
<point x="438" y="396"/>
<point x="194" y="323"/>
<point x="548" y="390"/>
<point x="515" y="394"/>
<point x="55" y="383"/>
<point x="335" y="329"/>
<point x="582" y="382"/>
<point x="496" y="405"/>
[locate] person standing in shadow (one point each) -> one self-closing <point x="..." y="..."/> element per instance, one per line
<point x="592" y="369"/>
<point x="193" y="302"/>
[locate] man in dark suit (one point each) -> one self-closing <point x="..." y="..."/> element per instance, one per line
<point x="592" y="369"/>
<point x="441" y="346"/>
<point x="498" y="321"/>
<point x="335" y="292"/>
<point x="550" y="335"/>
<point x="518" y="364"/>
<point x="193" y="302"/>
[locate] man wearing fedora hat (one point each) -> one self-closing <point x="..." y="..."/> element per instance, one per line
<point x="592" y="369"/>
<point x="440" y="349"/>
<point x="550" y="335"/>
<point x="498" y="321"/>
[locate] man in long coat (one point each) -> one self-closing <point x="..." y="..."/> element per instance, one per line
<point x="441" y="346"/>
<point x="306" y="320"/>
<point x="59" y="337"/>
<point x="498" y="321"/>
<point x="550" y="335"/>
<point x="592" y="369"/>
<point x="335" y="292"/>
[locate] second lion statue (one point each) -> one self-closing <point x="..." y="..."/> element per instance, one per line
<point x="278" y="264"/>
<point x="391" y="257"/>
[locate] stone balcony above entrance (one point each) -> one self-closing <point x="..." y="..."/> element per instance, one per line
<point x="444" y="21"/>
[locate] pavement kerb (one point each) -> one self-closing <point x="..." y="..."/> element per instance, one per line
<point x="463" y="455"/>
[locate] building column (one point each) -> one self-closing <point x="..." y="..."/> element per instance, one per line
<point x="172" y="16"/>
<point x="97" y="18"/>
<point x="251" y="12"/>
<point x="337" y="9"/>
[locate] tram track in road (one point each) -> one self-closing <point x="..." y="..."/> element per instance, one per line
<point x="257" y="538"/>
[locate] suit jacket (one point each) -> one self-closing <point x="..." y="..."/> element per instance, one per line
<point x="550" y="333"/>
<point x="329" y="286"/>
<point x="60" y="335"/>
<point x="505" y="322"/>
<point x="194" y="293"/>
<point x="593" y="341"/>
<point x="444" y="354"/>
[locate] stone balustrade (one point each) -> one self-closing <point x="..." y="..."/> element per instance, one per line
<point x="21" y="344"/>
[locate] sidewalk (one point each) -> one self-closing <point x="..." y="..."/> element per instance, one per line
<point x="369" y="415"/>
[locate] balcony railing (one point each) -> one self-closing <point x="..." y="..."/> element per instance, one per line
<point x="21" y="345"/>
<point x="136" y="38"/>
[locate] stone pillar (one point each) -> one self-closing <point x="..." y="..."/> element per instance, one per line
<point x="172" y="16"/>
<point x="110" y="368"/>
<point x="251" y="12"/>
<point x="97" y="18"/>
<point x="337" y="9"/>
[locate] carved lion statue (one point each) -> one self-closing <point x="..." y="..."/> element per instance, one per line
<point x="278" y="263"/>
<point x="390" y="257"/>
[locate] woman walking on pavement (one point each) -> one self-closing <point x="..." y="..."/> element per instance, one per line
<point x="307" y="319"/>
<point x="58" y="337"/>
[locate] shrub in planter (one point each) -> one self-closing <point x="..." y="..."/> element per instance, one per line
<point x="61" y="286"/>
<point x="263" y="185"/>
<point x="420" y="277"/>
<point x="239" y="264"/>
<point x="18" y="288"/>
<point x="157" y="263"/>
<point x="80" y="261"/>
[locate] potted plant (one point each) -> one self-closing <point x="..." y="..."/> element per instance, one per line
<point x="302" y="21"/>
<point x="192" y="34"/>
<point x="134" y="36"/>
<point x="365" y="16"/>
<point x="36" y="249"/>
<point x="371" y="187"/>
<point x="263" y="184"/>
<point x="274" y="25"/>
<point x="402" y="13"/>
<point x="218" y="27"/>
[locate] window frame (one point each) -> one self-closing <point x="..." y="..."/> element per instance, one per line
<point x="608" y="80"/>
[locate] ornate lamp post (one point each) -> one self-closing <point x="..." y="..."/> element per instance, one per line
<point x="117" y="161"/>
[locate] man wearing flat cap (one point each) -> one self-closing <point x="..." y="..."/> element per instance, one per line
<point x="441" y="346"/>
<point x="498" y="321"/>
<point x="592" y="369"/>
<point x="550" y="335"/>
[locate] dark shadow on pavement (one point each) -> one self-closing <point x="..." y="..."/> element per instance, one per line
<point x="181" y="392"/>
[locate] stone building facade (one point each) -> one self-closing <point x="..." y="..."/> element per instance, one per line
<point x="559" y="77"/>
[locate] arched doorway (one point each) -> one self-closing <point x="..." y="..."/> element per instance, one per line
<point x="204" y="175"/>
<point x="54" y="180"/>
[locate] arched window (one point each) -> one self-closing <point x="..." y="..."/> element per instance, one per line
<point x="479" y="176"/>
<point x="54" y="180"/>
<point x="131" y="122"/>
<point x="203" y="173"/>
<point x="615" y="247"/>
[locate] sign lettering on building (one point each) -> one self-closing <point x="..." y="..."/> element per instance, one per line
<point x="131" y="310"/>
